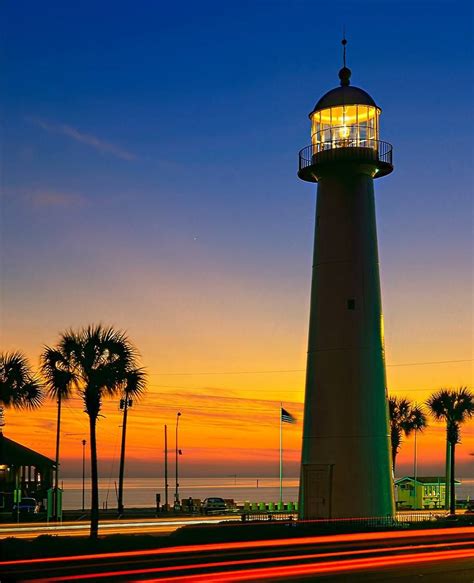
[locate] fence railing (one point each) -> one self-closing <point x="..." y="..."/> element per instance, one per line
<point x="345" y="149"/>
<point x="269" y="516"/>
<point x="399" y="520"/>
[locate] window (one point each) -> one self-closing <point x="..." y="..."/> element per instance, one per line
<point x="345" y="126"/>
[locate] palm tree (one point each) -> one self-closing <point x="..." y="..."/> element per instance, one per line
<point x="100" y="357"/>
<point x="454" y="407"/>
<point x="60" y="380"/>
<point x="133" y="387"/>
<point x="405" y="417"/>
<point x="19" y="387"/>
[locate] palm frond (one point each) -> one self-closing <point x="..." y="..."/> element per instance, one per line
<point x="31" y="394"/>
<point x="19" y="387"/>
<point x="454" y="406"/>
<point x="135" y="383"/>
<point x="413" y="420"/>
<point x="70" y="345"/>
<point x="105" y="363"/>
<point x="404" y="417"/>
<point x="464" y="404"/>
<point x="57" y="369"/>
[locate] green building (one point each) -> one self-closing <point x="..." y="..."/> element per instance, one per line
<point x="422" y="493"/>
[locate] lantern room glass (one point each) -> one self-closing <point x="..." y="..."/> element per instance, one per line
<point x="345" y="126"/>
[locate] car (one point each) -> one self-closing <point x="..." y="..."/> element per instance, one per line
<point x="26" y="506"/>
<point x="213" y="506"/>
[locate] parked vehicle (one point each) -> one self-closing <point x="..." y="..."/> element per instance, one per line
<point x="26" y="506"/>
<point x="213" y="506"/>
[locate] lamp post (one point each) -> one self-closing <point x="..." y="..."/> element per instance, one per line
<point x="83" y="474"/>
<point x="176" y="493"/>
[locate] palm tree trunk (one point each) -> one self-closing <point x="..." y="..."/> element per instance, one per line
<point x="452" y="509"/>
<point x="56" y="473"/>
<point x="122" y="457"/>
<point x="395" y="439"/>
<point x="94" y="480"/>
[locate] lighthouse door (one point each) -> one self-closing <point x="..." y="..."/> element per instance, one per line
<point x="317" y="490"/>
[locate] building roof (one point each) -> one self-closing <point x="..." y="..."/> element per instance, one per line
<point x="425" y="480"/>
<point x="15" y="454"/>
<point x="349" y="95"/>
<point x="346" y="94"/>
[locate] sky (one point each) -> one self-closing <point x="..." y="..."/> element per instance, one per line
<point x="149" y="182"/>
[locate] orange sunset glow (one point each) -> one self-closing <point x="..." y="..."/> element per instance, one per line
<point x="229" y="421"/>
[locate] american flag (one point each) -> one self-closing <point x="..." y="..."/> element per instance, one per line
<point x="287" y="417"/>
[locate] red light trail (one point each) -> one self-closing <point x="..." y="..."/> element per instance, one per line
<point x="245" y="562"/>
<point x="325" y="568"/>
<point x="255" y="544"/>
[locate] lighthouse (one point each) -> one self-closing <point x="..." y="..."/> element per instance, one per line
<point x="346" y="468"/>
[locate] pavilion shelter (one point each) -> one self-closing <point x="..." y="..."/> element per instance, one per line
<point x="422" y="492"/>
<point x="25" y="469"/>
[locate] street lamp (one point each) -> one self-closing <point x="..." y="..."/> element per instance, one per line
<point x="177" y="452"/>
<point x="83" y="473"/>
<point x="166" y="469"/>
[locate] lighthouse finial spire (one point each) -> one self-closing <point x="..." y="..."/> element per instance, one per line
<point x="344" y="73"/>
<point x="344" y="43"/>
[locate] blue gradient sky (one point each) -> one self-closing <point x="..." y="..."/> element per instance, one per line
<point x="149" y="179"/>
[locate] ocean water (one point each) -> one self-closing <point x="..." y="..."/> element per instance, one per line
<point x="141" y="492"/>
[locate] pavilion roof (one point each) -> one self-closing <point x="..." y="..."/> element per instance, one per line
<point x="13" y="453"/>
<point x="425" y="480"/>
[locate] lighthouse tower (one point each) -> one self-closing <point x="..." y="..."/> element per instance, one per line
<point x="346" y="461"/>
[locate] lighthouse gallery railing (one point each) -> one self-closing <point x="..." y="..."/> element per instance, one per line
<point x="352" y="150"/>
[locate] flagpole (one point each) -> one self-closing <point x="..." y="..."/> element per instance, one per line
<point x="415" y="466"/>
<point x="281" y="456"/>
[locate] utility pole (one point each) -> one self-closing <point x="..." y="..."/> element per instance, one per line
<point x="18" y="494"/>
<point x="125" y="403"/>
<point x="56" y="473"/>
<point x="176" y="493"/>
<point x="166" y="468"/>
<point x="83" y="474"/>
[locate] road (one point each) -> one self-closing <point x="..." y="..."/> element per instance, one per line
<point x="124" y="526"/>
<point x="439" y="555"/>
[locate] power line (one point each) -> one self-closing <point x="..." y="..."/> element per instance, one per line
<point x="289" y="370"/>
<point x="432" y="362"/>
<point x="273" y="390"/>
<point x="225" y="372"/>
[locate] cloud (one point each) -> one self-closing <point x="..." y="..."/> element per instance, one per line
<point x="88" y="139"/>
<point x="216" y="409"/>
<point x="56" y="199"/>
